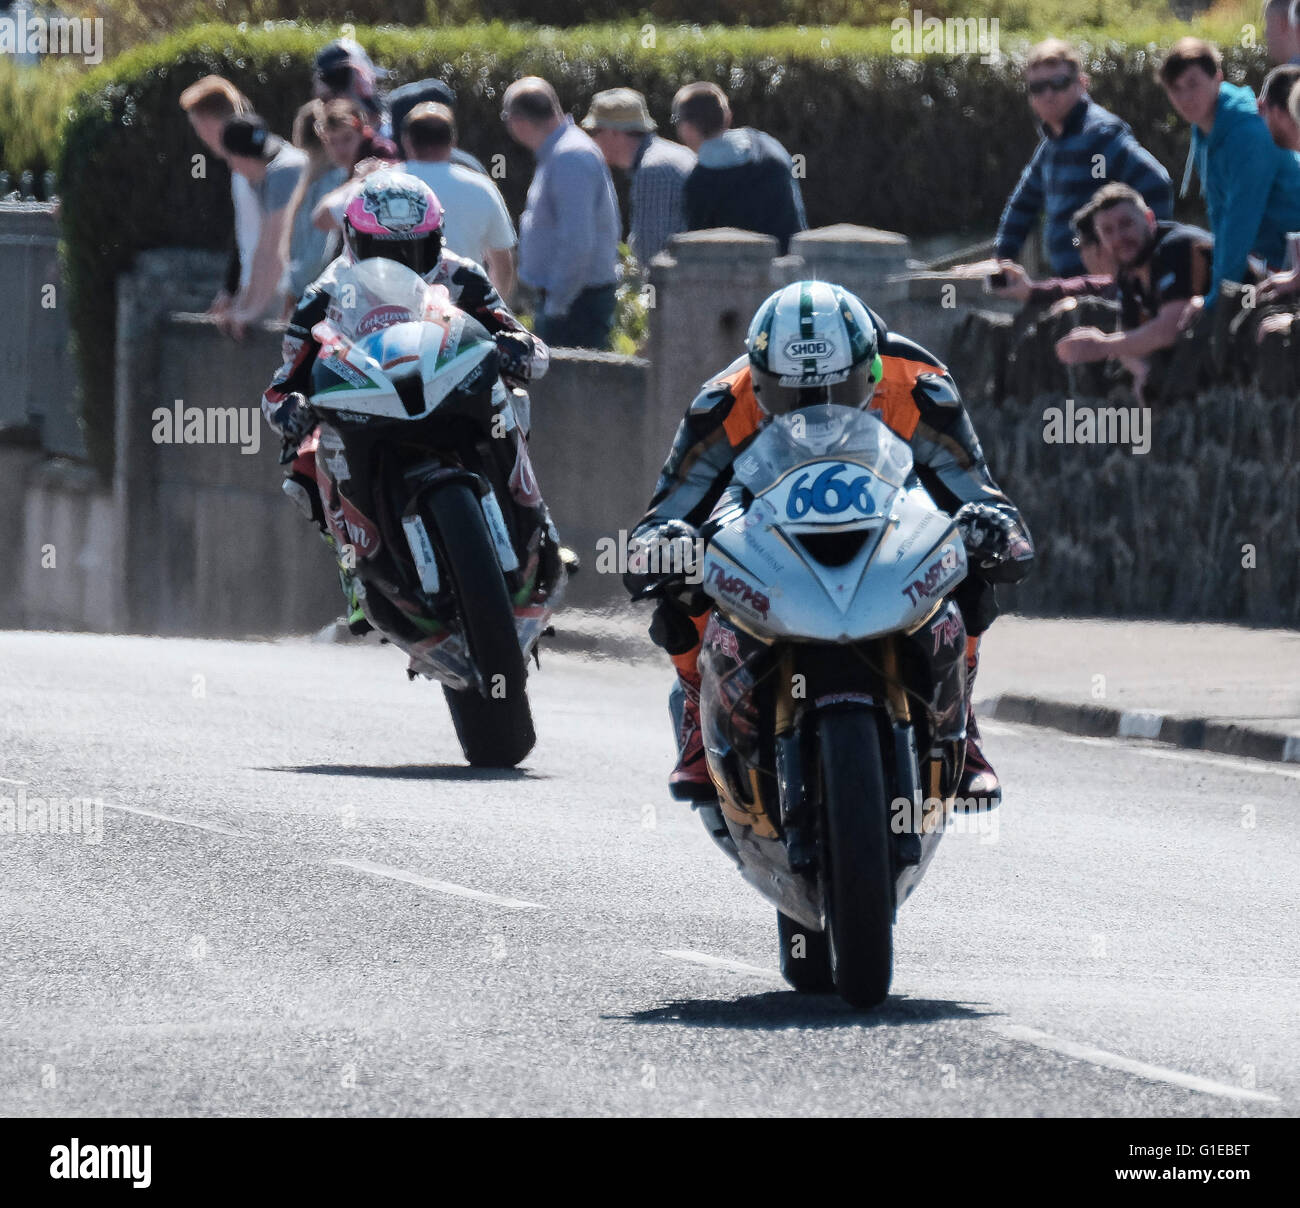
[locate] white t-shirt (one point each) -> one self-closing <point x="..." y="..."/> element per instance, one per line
<point x="248" y="224"/>
<point x="475" y="218"/>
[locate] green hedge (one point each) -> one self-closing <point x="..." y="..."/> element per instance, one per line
<point x="922" y="146"/>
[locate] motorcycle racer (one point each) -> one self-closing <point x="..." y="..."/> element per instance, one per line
<point x="814" y="342"/>
<point x="396" y="216"/>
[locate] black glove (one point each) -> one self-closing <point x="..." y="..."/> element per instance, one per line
<point x="514" y="354"/>
<point x="997" y="543"/>
<point x="661" y="559"/>
<point x="294" y="418"/>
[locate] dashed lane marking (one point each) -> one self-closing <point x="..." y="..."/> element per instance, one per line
<point x="455" y="891"/>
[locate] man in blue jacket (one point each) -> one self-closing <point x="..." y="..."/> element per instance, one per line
<point x="1083" y="147"/>
<point x="1251" y="185"/>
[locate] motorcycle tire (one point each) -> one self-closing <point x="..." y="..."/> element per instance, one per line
<point x="495" y="730"/>
<point x="859" y="880"/>
<point x="805" y="957"/>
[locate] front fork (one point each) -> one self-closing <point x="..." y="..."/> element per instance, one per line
<point x="798" y="819"/>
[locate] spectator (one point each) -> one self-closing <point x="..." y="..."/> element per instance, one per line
<point x="1081" y="144"/>
<point x="308" y="245"/>
<point x="623" y="129"/>
<point x="274" y="169"/>
<point x="1274" y="100"/>
<point x="208" y="103"/>
<point x="743" y="178"/>
<point x="475" y="223"/>
<point x="350" y="143"/>
<point x="1282" y="31"/>
<point x="1283" y="284"/>
<point x="402" y="100"/>
<point x="344" y="71"/>
<point x="1251" y="185"/>
<point x="1098" y="279"/>
<point x="1160" y="268"/>
<point x="568" y="235"/>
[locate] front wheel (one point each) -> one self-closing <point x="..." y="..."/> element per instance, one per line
<point x="859" y="888"/>
<point x="805" y="956"/>
<point x="496" y="729"/>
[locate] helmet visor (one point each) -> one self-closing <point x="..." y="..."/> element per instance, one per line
<point x="855" y="391"/>
<point x="420" y="254"/>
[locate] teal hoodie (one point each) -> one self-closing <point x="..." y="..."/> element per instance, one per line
<point x="1250" y="184"/>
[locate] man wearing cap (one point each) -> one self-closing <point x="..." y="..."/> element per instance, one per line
<point x="419" y="92"/>
<point x="273" y="169"/>
<point x="475" y="223"/>
<point x="568" y="235"/>
<point x="623" y="129"/>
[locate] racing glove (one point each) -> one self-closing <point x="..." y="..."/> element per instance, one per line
<point x="663" y="560"/>
<point x="294" y="418"/>
<point x="997" y="542"/>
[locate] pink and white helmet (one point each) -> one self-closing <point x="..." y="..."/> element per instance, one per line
<point x="396" y="216"/>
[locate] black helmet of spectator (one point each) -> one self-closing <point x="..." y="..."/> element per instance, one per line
<point x="402" y="100"/>
<point x="344" y="69"/>
<point x="248" y="137"/>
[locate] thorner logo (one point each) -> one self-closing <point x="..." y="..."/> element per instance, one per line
<point x="803" y="349"/>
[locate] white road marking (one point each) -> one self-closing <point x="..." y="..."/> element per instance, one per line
<point x="1153" y="1073"/>
<point x="717" y="962"/>
<point x="1229" y="762"/>
<point x="455" y="891"/>
<point x="6" y="780"/>
<point x="1001" y="728"/>
<point x="217" y="828"/>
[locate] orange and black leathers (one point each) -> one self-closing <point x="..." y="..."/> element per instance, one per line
<point x="916" y="397"/>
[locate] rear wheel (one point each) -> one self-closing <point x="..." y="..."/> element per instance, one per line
<point x="805" y="956"/>
<point x="496" y="729"/>
<point x="859" y="881"/>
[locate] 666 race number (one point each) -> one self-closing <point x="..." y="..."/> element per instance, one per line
<point x="829" y="494"/>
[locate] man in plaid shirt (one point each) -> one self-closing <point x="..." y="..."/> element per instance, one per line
<point x="624" y="131"/>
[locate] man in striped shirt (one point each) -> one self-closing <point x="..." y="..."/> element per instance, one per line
<point x="623" y="129"/>
<point x="1083" y="148"/>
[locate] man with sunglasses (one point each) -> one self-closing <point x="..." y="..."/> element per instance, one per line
<point x="1083" y="148"/>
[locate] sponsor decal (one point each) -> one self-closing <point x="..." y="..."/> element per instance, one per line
<point x="946" y="631"/>
<point x="814" y="349"/>
<point x="383" y="316"/>
<point x="739" y="591"/>
<point x="347" y="371"/>
<point x="937" y="574"/>
<point x="352" y="528"/>
<point x="720" y="638"/>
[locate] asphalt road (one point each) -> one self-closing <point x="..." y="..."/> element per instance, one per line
<point x="303" y="904"/>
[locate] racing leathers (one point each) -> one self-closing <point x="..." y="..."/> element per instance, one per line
<point x="918" y="399"/>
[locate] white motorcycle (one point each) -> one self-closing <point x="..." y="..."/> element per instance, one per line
<point x="833" y="690"/>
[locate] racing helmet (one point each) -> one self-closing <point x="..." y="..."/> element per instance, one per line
<point x="813" y="342"/>
<point x="395" y="216"/>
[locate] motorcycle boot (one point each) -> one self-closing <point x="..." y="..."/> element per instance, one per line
<point x="980" y="788"/>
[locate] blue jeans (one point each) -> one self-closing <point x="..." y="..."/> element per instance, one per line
<point x="586" y="324"/>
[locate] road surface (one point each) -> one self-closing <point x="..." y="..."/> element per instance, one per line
<point x="301" y="903"/>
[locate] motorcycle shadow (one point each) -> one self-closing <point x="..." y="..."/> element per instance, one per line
<point x="779" y="1009"/>
<point x="409" y="771"/>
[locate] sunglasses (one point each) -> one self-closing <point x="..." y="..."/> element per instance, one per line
<point x="1054" y="83"/>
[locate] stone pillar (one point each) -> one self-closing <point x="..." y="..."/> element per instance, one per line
<point x="865" y="261"/>
<point x="706" y="286"/>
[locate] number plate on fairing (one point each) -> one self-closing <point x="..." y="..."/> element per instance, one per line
<point x="831" y="491"/>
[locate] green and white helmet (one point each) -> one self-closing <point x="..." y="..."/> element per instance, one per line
<point x="812" y="342"/>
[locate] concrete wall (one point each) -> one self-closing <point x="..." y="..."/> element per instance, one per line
<point x="35" y="361"/>
<point x="198" y="539"/>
